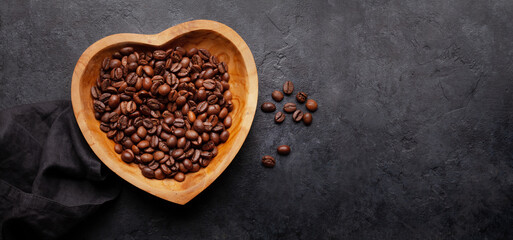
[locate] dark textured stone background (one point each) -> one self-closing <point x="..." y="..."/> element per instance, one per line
<point x="412" y="139"/>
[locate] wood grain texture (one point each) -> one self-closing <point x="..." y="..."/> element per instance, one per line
<point x="221" y="41"/>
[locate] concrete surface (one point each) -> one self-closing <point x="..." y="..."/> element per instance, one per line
<point x="412" y="139"/>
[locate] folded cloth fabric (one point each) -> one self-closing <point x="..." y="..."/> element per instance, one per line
<point x="49" y="177"/>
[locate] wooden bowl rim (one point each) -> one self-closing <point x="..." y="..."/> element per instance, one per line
<point x="156" y="40"/>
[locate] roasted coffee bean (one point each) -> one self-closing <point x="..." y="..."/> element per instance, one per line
<point x="114" y="101"/>
<point x="179" y="122"/>
<point x="127" y="156"/>
<point x="99" y="106"/>
<point x="227" y="122"/>
<point x="147" y="123"/>
<point x="158" y="155"/>
<point x="268" y="161"/>
<point x="146" y="158"/>
<point x="204" y="54"/>
<point x="301" y="97"/>
<point x="179" y="177"/>
<point x="279" y="117"/>
<point x="126" y="50"/>
<point x="307" y="119"/>
<point x="223" y="113"/>
<point x="114" y="63"/>
<point x="177" y="153"/>
<point x="171" y="141"/>
<point x="208" y="146"/>
<point x="214" y="109"/>
<point x="95" y="92"/>
<point x="277" y="96"/>
<point x="165" y="169"/>
<point x="191" y="135"/>
<point x="164" y="89"/>
<point x="143" y="144"/>
<point x="204" y="162"/>
<point x="288" y="87"/>
<point x="268" y="107"/>
<point x="289" y="107"/>
<point x="181" y="142"/>
<point x="215" y="138"/>
<point x="209" y="84"/>
<point x="147" y="172"/>
<point x="159" y="174"/>
<point x="163" y="147"/>
<point x="154" y="143"/>
<point x="224" y="136"/>
<point x="179" y="132"/>
<point x="283" y="150"/>
<point x="131" y="107"/>
<point x="118" y="148"/>
<point x="311" y="105"/>
<point x="297" y="116"/>
<point x="148" y="70"/>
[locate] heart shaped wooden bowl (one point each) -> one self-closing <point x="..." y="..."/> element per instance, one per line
<point x="221" y="41"/>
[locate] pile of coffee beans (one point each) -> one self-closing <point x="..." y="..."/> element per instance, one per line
<point x="166" y="110"/>
<point x="290" y="108"/>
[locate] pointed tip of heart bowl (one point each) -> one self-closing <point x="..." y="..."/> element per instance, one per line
<point x="221" y="41"/>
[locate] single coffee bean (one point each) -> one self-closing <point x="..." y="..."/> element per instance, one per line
<point x="95" y="92"/>
<point x="158" y="155"/>
<point x="268" y="107"/>
<point x="147" y="172"/>
<point x="177" y="153"/>
<point x="127" y="156"/>
<point x="142" y="132"/>
<point x="311" y="105"/>
<point x="288" y="87"/>
<point x="279" y="117"/>
<point x="159" y="174"/>
<point x="143" y="144"/>
<point x="148" y="70"/>
<point x="164" y="89"/>
<point x="301" y="97"/>
<point x="224" y="136"/>
<point x="171" y="141"/>
<point x="268" y="161"/>
<point x="146" y="158"/>
<point x="227" y="122"/>
<point x="277" y="96"/>
<point x="307" y="119"/>
<point x="289" y="107"/>
<point x="118" y="148"/>
<point x="191" y="135"/>
<point x="115" y="63"/>
<point x="126" y="50"/>
<point x="179" y="177"/>
<point x="297" y="116"/>
<point x="283" y="150"/>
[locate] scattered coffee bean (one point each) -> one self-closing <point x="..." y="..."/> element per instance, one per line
<point x="288" y="87"/>
<point x="289" y="107"/>
<point x="277" y="96"/>
<point x="284" y="150"/>
<point x="268" y="161"/>
<point x="311" y="105"/>
<point x="161" y="108"/>
<point x="297" y="116"/>
<point x="301" y="97"/>
<point x="279" y="117"/>
<point x="268" y="107"/>
<point x="307" y="119"/>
